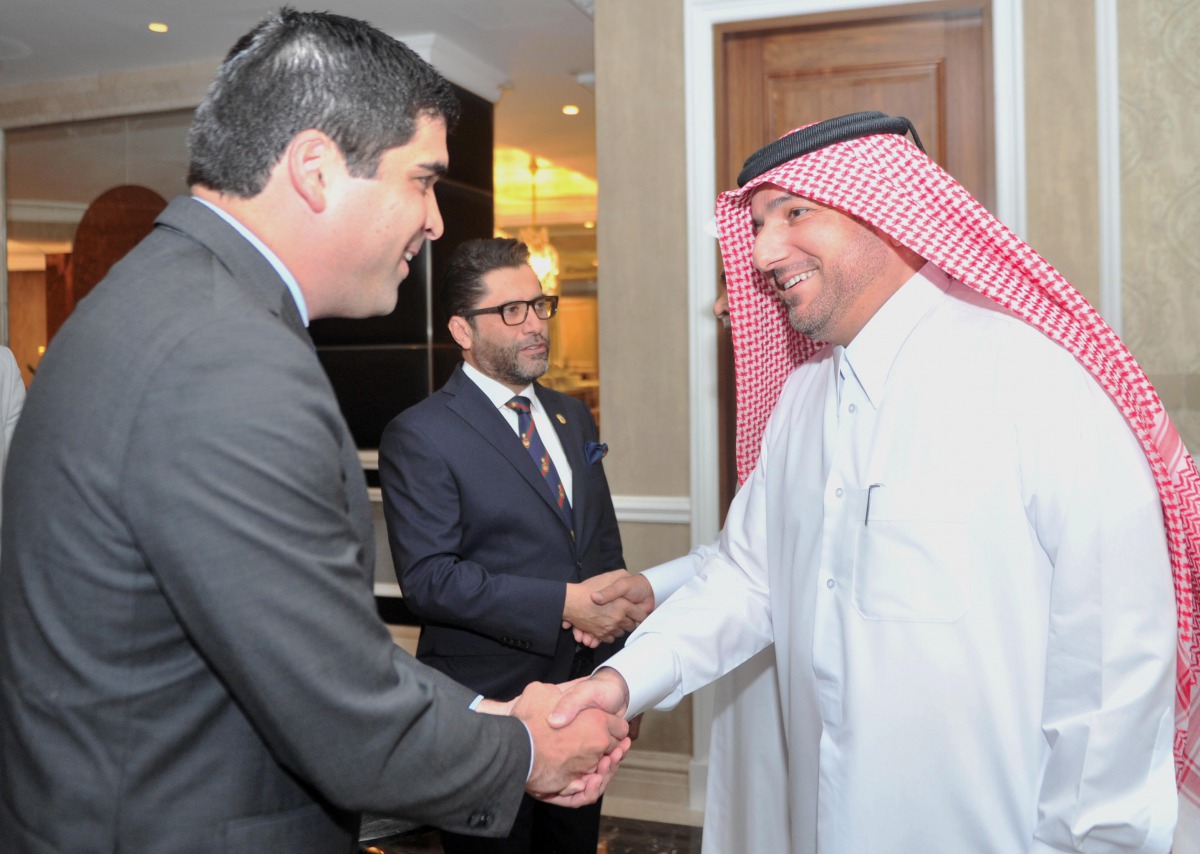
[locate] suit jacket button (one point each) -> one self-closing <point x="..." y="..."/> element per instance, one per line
<point x="480" y="819"/>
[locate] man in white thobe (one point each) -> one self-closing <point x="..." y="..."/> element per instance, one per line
<point x="745" y="800"/>
<point x="951" y="534"/>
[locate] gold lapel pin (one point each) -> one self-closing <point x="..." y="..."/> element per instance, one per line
<point x="560" y="418"/>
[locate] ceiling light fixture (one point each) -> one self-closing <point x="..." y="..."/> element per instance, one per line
<point x="156" y="27"/>
<point x="570" y="110"/>
<point x="543" y="257"/>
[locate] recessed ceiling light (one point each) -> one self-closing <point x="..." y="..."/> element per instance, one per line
<point x="570" y="110"/>
<point x="158" y="28"/>
<point x="589" y="224"/>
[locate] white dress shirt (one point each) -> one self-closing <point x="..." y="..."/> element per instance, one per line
<point x="982" y="659"/>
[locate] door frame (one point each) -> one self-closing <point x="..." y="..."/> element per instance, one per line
<point x="700" y="17"/>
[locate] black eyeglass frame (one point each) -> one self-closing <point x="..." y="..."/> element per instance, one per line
<point x="552" y="301"/>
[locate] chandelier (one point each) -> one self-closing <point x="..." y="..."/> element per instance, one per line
<point x="543" y="257"/>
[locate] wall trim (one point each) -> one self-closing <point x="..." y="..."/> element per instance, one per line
<point x="700" y="18"/>
<point x="1108" y="126"/>
<point x="652" y="786"/>
<point x="43" y="210"/>
<point x="653" y="509"/>
<point x="656" y="509"/>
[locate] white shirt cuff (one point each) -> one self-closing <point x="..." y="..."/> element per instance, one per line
<point x="648" y="667"/>
<point x="668" y="577"/>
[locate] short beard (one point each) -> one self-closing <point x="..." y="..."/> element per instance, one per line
<point x="513" y="373"/>
<point x="504" y="363"/>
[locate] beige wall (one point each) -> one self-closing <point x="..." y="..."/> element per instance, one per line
<point x="642" y="248"/>
<point x="1060" y="155"/>
<point x="1159" y="73"/>
<point x="642" y="245"/>
<point x="1160" y="210"/>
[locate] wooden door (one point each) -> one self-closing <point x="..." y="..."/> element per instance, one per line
<point x="930" y="62"/>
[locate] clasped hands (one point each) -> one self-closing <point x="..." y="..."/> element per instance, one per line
<point x="578" y="728"/>
<point x="574" y="757"/>
<point x="606" y="606"/>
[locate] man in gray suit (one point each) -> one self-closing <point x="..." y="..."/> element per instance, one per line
<point x="190" y="658"/>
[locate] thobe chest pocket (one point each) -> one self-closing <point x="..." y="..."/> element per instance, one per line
<point x="911" y="558"/>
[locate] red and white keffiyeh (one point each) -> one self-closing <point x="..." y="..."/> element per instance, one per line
<point x="889" y="183"/>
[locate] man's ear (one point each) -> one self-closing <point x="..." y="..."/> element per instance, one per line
<point x="313" y="160"/>
<point x="461" y="331"/>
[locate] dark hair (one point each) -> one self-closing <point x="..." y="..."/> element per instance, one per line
<point x="301" y="70"/>
<point x="462" y="283"/>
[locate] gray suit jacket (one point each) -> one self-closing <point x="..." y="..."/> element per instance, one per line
<point x="190" y="657"/>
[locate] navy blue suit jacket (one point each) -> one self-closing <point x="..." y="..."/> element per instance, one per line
<point x="481" y="552"/>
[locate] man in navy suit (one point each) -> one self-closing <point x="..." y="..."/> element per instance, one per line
<point x="500" y="519"/>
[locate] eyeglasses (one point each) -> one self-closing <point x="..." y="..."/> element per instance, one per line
<point x="514" y="313"/>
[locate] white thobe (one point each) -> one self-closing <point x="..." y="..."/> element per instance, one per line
<point x="745" y="799"/>
<point x="982" y="659"/>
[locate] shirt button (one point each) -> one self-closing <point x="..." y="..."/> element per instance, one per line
<point x="853" y="409"/>
<point x="838" y="492"/>
<point x="830" y="583"/>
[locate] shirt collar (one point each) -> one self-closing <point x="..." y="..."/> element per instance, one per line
<point x="280" y="268"/>
<point x="498" y="393"/>
<point x="873" y="351"/>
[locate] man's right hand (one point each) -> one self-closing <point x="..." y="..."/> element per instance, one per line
<point x="596" y="623"/>
<point x="572" y="763"/>
<point x="605" y="690"/>
<point x="631" y="587"/>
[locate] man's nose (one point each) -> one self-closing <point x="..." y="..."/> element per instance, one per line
<point x="434" y="225"/>
<point x="769" y="248"/>
<point x="721" y="306"/>
<point x="533" y="323"/>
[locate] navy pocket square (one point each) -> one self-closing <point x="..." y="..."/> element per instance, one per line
<point x="594" y="452"/>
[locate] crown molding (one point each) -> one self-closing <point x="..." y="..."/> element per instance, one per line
<point x="457" y="65"/>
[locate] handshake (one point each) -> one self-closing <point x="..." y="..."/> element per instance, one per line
<point x="606" y="606"/>
<point x="578" y="728"/>
<point x="579" y="735"/>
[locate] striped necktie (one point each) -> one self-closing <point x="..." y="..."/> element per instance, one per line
<point x="541" y="457"/>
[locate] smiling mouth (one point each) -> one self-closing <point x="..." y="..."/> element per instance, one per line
<point x="795" y="280"/>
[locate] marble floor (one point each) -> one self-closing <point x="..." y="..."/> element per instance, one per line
<point x="617" y="836"/>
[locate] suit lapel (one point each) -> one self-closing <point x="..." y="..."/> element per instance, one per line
<point x="469" y="402"/>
